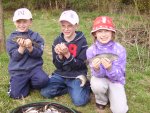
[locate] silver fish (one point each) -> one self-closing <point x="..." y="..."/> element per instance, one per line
<point x="110" y="56"/>
<point x="45" y="109"/>
<point x="24" y="37"/>
<point x="31" y="110"/>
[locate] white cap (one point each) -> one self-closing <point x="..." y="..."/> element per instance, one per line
<point x="69" y="16"/>
<point x="22" y="13"/>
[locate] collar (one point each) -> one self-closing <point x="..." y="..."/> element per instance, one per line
<point x="100" y="45"/>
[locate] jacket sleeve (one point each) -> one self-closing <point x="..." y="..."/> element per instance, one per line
<point x="117" y="72"/>
<point x="12" y="49"/>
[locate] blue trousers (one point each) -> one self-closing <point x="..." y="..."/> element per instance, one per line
<point x="58" y="86"/>
<point x="21" y="84"/>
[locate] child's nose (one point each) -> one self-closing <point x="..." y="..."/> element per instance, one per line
<point x="66" y="28"/>
<point x="21" y="23"/>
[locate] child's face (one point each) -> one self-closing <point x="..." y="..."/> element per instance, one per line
<point x="68" y="29"/>
<point x="104" y="36"/>
<point x="23" y="25"/>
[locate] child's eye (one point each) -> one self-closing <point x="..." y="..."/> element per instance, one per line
<point x="70" y="26"/>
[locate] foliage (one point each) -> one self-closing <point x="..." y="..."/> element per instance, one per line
<point x="143" y="6"/>
<point x="104" y="6"/>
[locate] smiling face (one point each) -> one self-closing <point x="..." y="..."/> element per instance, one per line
<point x="23" y="25"/>
<point x="68" y="30"/>
<point x="104" y="36"/>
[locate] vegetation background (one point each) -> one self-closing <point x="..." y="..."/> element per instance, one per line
<point x="131" y="18"/>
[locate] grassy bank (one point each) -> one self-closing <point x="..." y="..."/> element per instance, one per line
<point x="138" y="64"/>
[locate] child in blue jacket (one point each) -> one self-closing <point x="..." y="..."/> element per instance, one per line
<point x="69" y="54"/>
<point x="25" y="49"/>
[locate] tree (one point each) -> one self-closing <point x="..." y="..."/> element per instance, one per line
<point x="2" y="34"/>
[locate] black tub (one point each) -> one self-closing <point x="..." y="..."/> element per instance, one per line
<point x="38" y="105"/>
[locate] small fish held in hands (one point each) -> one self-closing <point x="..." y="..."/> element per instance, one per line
<point x="110" y="56"/>
<point x="24" y="37"/>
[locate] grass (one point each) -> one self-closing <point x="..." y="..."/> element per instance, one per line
<point x="137" y="74"/>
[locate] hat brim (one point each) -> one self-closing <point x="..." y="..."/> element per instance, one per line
<point x="21" y="19"/>
<point x="104" y="29"/>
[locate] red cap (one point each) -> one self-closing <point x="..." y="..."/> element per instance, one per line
<point x="103" y="22"/>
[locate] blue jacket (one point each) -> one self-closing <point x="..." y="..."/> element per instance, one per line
<point x="23" y="63"/>
<point x="117" y="72"/>
<point x="74" y="65"/>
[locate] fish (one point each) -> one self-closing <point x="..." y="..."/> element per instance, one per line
<point x="31" y="110"/>
<point x="110" y="56"/>
<point x="24" y="37"/>
<point x="46" y="109"/>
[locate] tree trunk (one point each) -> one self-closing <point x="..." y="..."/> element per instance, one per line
<point x="56" y="4"/>
<point x="2" y="34"/>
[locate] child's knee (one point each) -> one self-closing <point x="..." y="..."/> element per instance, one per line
<point x="40" y="83"/>
<point x="120" y="109"/>
<point x="47" y="93"/>
<point x="44" y="81"/>
<point x="101" y="88"/>
<point x="80" y="102"/>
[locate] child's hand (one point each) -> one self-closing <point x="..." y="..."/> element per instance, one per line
<point x="21" y="42"/>
<point x="64" y="50"/>
<point x="58" y="49"/>
<point x="106" y="63"/>
<point x="96" y="63"/>
<point x="28" y="43"/>
<point x="83" y="80"/>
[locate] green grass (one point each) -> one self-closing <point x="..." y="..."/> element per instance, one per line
<point x="46" y="23"/>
